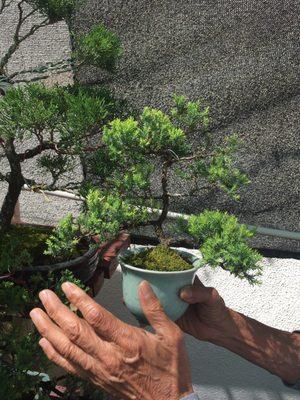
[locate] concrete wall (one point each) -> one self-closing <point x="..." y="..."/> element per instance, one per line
<point x="218" y="374"/>
<point x="243" y="59"/>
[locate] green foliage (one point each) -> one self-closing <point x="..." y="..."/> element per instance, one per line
<point x="56" y="164"/>
<point x="65" y="240"/>
<point x="62" y="115"/>
<point x="222" y="169"/>
<point x="190" y="114"/>
<point x="104" y="216"/>
<point x="153" y="133"/>
<point x="159" y="258"/>
<point x="20" y="354"/>
<point x="19" y="246"/>
<point x="223" y="241"/>
<point x="55" y="10"/>
<point x="100" y="48"/>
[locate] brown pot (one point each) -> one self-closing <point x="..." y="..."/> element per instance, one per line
<point x="91" y="268"/>
<point x="109" y="253"/>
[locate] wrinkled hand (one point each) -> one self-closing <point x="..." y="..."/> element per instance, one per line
<point x="117" y="357"/>
<point x="207" y="314"/>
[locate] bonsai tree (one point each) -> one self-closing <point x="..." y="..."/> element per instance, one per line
<point x="60" y="120"/>
<point x="157" y="144"/>
<point x="53" y="126"/>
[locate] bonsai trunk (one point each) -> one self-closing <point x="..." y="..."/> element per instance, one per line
<point x="15" y="184"/>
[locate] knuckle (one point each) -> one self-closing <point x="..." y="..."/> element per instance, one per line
<point x="214" y="296"/>
<point x="177" y="334"/>
<point x="155" y="307"/>
<point x="74" y="330"/>
<point x="66" y="349"/>
<point x="54" y="312"/>
<point x="113" y="365"/>
<point x="43" y="329"/>
<point x="87" y="363"/>
<point x="93" y="315"/>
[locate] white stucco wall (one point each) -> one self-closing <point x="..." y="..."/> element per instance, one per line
<point x="221" y="375"/>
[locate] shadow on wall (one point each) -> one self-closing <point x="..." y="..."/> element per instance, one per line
<point x="217" y="374"/>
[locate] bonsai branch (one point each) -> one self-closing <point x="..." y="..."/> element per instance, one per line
<point x="195" y="156"/>
<point x="165" y="200"/>
<point x="3" y="177"/>
<point x="31" y="153"/>
<point x="17" y="39"/>
<point x="4" y="4"/>
<point x="58" y="67"/>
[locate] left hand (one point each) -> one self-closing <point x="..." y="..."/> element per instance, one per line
<point x="117" y="357"/>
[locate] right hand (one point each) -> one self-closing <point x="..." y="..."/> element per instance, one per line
<point x="207" y="315"/>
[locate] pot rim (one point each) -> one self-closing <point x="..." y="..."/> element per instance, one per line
<point x="191" y="257"/>
<point x="65" y="264"/>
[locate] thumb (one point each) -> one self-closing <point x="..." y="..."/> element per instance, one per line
<point x="197" y="293"/>
<point x="153" y="309"/>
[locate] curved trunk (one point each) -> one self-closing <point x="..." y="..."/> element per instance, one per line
<point x="15" y="184"/>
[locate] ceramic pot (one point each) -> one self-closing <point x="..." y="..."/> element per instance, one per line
<point x="166" y="285"/>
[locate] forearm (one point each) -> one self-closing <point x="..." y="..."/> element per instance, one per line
<point x="274" y="350"/>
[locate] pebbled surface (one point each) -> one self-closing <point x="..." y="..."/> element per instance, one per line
<point x="243" y="59"/>
<point x="217" y="373"/>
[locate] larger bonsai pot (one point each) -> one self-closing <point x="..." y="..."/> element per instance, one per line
<point x="91" y="268"/>
<point x="166" y="285"/>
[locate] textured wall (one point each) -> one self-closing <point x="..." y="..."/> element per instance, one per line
<point x="243" y="58"/>
<point x="221" y="375"/>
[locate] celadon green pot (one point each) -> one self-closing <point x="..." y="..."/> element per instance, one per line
<point x="166" y="285"/>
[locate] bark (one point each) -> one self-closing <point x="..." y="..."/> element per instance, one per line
<point x="15" y="184"/>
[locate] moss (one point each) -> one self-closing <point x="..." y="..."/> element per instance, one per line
<point x="159" y="258"/>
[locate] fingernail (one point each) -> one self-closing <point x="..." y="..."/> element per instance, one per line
<point x="44" y="295"/>
<point x="186" y="293"/>
<point x="35" y="315"/>
<point x="68" y="287"/>
<point x="43" y="343"/>
<point x="146" y="290"/>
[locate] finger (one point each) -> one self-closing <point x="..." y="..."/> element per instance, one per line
<point x="75" y="328"/>
<point x="104" y="323"/>
<point x="153" y="309"/>
<point x="198" y="293"/>
<point x="55" y="357"/>
<point x="60" y="341"/>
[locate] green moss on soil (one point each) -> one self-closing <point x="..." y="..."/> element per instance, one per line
<point x="159" y="258"/>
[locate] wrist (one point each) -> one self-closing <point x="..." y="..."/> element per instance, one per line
<point x="224" y="330"/>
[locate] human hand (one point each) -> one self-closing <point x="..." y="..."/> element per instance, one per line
<point x="207" y="314"/>
<point x="117" y="357"/>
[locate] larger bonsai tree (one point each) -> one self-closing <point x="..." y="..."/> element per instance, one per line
<point x="55" y="124"/>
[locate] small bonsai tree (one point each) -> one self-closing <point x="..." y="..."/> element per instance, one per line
<point x="158" y="144"/>
<point x="54" y="126"/>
